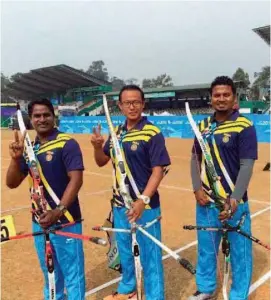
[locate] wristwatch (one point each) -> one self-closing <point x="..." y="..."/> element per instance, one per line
<point x="146" y="199"/>
<point x="62" y="208"/>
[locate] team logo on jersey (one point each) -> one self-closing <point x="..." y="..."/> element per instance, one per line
<point x="226" y="138"/>
<point x="49" y="155"/>
<point x="134" y="146"/>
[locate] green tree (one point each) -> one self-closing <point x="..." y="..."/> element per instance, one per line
<point x="147" y="83"/>
<point x="241" y="75"/>
<point x="131" y="81"/>
<point x="4" y="81"/>
<point x="15" y="76"/>
<point x="98" y="70"/>
<point x="162" y="80"/>
<point x="4" y="92"/>
<point x="117" y="83"/>
<point x="262" y="81"/>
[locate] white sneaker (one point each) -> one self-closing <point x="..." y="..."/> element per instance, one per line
<point x="202" y="296"/>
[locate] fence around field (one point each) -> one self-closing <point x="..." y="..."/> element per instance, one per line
<point x="171" y="126"/>
<point x="5" y="121"/>
<point x="7" y="111"/>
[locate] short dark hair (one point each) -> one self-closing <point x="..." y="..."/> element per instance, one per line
<point x="132" y="87"/>
<point x="223" y="80"/>
<point x="44" y="102"/>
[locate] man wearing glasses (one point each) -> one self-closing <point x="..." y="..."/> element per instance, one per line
<point x="146" y="158"/>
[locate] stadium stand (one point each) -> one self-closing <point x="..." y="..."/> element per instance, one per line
<point x="264" y="33"/>
<point x="45" y="82"/>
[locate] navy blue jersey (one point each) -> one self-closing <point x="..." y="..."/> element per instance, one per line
<point x="60" y="155"/>
<point x="228" y="142"/>
<point x="143" y="148"/>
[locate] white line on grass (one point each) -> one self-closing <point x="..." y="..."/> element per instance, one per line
<point x="95" y="290"/>
<point x="15" y="208"/>
<point x="172" y="187"/>
<point x="108" y="190"/>
<point x="260" y="212"/>
<point x="259" y="201"/>
<point x="101" y="287"/>
<point x="107" y="284"/>
<point x="24" y="207"/>
<point x="99" y="192"/>
<point x="259" y="282"/>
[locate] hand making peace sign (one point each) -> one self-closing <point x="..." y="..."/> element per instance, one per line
<point x="97" y="139"/>
<point x="16" y="148"/>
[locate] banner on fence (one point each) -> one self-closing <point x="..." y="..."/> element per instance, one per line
<point x="171" y="126"/>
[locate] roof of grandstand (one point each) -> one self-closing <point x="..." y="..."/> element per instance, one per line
<point x="171" y="88"/>
<point x="181" y="88"/>
<point x="49" y="80"/>
<point x="264" y="33"/>
<point x="7" y="99"/>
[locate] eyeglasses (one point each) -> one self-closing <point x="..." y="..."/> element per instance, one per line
<point x="127" y="104"/>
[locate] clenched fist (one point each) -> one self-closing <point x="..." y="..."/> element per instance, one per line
<point x="201" y="197"/>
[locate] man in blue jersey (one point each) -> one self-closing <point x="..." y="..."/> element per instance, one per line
<point x="232" y="140"/>
<point x="61" y="171"/>
<point x="146" y="158"/>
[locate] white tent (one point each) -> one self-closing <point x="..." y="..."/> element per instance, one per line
<point x="164" y="114"/>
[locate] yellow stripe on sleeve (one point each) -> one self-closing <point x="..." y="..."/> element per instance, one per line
<point x="141" y="132"/>
<point x="51" y="147"/>
<point x="151" y="127"/>
<point x="53" y="142"/>
<point x="137" y="138"/>
<point x="229" y="130"/>
<point x="63" y="136"/>
<point x="233" y="124"/>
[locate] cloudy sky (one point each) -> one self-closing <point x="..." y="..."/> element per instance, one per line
<point x="191" y="41"/>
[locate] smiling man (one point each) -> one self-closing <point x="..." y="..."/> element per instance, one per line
<point x="232" y="140"/>
<point x="61" y="169"/>
<point x="145" y="158"/>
